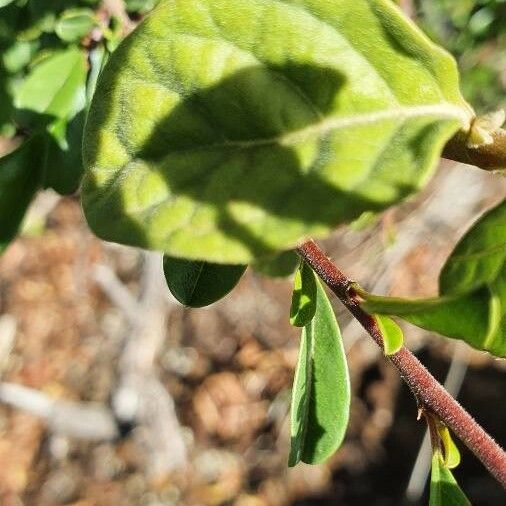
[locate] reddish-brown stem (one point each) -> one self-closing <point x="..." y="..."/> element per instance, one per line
<point x="429" y="394"/>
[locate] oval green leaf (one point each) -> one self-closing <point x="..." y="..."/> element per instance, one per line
<point x="304" y="296"/>
<point x="444" y="489"/>
<point x="393" y="338"/>
<point x="198" y="284"/>
<point x="56" y="87"/>
<point x="20" y="178"/>
<point x="74" y="24"/>
<point x="321" y="389"/>
<point x="227" y="130"/>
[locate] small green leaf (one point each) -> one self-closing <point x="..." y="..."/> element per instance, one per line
<point x="450" y="451"/>
<point x="321" y="389"/>
<point x="279" y="266"/>
<point x="56" y="86"/>
<point x="393" y="337"/>
<point x="20" y="178"/>
<point x="198" y="284"/>
<point x="74" y="24"/>
<point x="304" y="296"/>
<point x="229" y="130"/>
<point x="444" y="490"/>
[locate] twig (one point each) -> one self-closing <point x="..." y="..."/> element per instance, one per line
<point x="429" y="394"/>
<point x="83" y="420"/>
<point x="453" y="383"/>
<point x="489" y="157"/>
<point x="140" y="398"/>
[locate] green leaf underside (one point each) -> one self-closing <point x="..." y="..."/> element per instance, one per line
<point x="227" y="130"/>
<point x="56" y="86"/>
<point x="20" y="178"/>
<point x="198" y="284"/>
<point x="281" y="265"/>
<point x="321" y="389"/>
<point x="393" y="337"/>
<point x="444" y="489"/>
<point x="304" y="296"/>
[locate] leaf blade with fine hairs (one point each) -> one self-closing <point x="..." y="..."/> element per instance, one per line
<point x="304" y="297"/>
<point x="20" y="178"/>
<point x="444" y="489"/>
<point x="321" y="391"/>
<point x="199" y="284"/>
<point x="216" y="121"/>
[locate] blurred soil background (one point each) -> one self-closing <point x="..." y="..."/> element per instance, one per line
<point x="113" y="394"/>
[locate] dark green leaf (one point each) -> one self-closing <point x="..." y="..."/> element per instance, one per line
<point x="444" y="490"/>
<point x="393" y="337"/>
<point x="280" y="266"/>
<point x="20" y="178"/>
<point x="228" y="130"/>
<point x="64" y="163"/>
<point x="321" y="389"/>
<point x="303" y="306"/>
<point x="198" y="284"/>
<point x="55" y="87"/>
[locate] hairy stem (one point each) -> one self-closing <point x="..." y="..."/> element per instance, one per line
<point x="488" y="157"/>
<point x="430" y="395"/>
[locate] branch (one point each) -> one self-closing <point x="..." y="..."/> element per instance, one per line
<point x="489" y="156"/>
<point x="83" y="420"/>
<point x="430" y="395"/>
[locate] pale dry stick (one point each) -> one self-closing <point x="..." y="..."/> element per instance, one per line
<point x="8" y="327"/>
<point x="453" y="383"/>
<point x="430" y="395"/>
<point x="83" y="420"/>
<point x="140" y="399"/>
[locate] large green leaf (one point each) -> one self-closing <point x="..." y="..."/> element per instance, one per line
<point x="20" y="178"/>
<point x="226" y="130"/>
<point x="321" y="389"/>
<point x="198" y="284"/>
<point x="444" y="490"/>
<point x="55" y="87"/>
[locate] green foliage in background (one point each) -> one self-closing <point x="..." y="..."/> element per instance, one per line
<point x="474" y="31"/>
